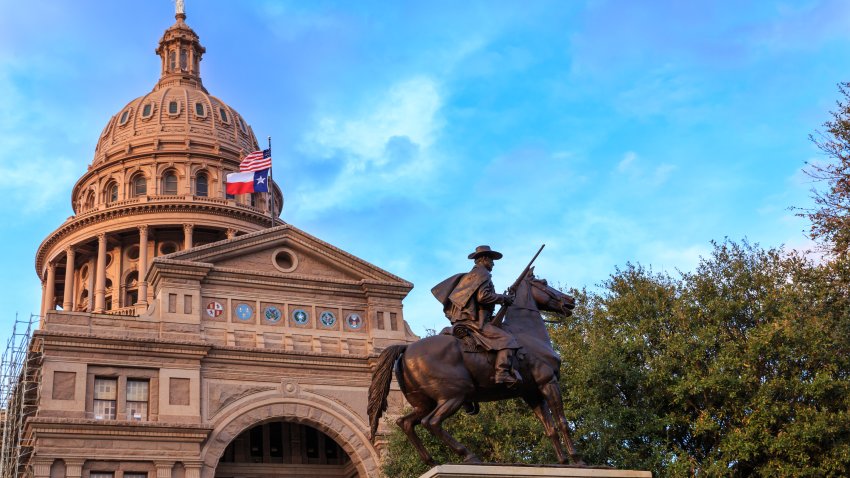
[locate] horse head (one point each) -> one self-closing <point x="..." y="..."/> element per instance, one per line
<point x="548" y="298"/>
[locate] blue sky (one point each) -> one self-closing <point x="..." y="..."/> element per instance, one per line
<point x="409" y="132"/>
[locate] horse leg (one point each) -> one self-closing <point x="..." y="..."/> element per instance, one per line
<point x="552" y="394"/>
<point x="407" y="423"/>
<point x="433" y="423"/>
<point x="538" y="405"/>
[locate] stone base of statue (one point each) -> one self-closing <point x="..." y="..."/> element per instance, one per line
<point x="530" y="471"/>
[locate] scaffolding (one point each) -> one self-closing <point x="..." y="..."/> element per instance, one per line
<point x="20" y="385"/>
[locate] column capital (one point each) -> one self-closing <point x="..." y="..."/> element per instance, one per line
<point x="101" y="236"/>
<point x="51" y="266"/>
<point x="188" y="227"/>
<point x="70" y="250"/>
<point x="143" y="228"/>
<point x="231" y="233"/>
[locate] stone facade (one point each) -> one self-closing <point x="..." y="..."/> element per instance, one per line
<point x="181" y="335"/>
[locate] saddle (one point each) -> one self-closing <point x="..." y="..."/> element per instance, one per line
<point x="467" y="338"/>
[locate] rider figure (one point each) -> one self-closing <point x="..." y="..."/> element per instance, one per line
<point x="469" y="300"/>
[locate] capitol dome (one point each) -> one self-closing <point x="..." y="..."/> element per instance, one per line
<point x="156" y="185"/>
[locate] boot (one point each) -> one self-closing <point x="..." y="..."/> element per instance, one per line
<point x="504" y="374"/>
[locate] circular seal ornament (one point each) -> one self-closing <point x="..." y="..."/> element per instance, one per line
<point x="328" y="319"/>
<point x="244" y="311"/>
<point x="215" y="309"/>
<point x="354" y="321"/>
<point x="300" y="316"/>
<point x="272" y="314"/>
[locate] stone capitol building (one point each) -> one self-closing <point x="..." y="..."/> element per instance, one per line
<point x="184" y="333"/>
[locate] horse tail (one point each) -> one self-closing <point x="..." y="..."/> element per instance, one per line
<point x="380" y="386"/>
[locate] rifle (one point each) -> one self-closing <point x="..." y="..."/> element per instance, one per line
<point x="500" y="316"/>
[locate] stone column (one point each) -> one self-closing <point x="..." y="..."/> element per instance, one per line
<point x="41" y="467"/>
<point x="187" y="236"/>
<point x="163" y="469"/>
<point x="90" y="285"/>
<point x="100" y="275"/>
<point x="68" y="298"/>
<point x="50" y="288"/>
<point x="143" y="265"/>
<point x="193" y="469"/>
<point x="74" y="467"/>
<point x="231" y="233"/>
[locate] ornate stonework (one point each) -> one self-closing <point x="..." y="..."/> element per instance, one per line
<point x="186" y="334"/>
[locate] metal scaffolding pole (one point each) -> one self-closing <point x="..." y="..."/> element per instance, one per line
<point x="20" y="385"/>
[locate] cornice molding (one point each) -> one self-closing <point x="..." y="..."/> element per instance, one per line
<point x="76" y="428"/>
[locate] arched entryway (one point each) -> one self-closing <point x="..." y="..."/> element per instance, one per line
<point x="306" y="414"/>
<point x="279" y="448"/>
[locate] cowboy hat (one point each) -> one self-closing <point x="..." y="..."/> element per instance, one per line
<point x="485" y="251"/>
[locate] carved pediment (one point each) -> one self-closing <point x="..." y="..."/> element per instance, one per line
<point x="287" y="251"/>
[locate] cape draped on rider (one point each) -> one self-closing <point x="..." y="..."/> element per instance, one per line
<point x="469" y="300"/>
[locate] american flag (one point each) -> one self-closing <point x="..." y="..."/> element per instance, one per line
<point x="256" y="161"/>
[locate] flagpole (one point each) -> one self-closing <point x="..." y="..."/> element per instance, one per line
<point x="271" y="184"/>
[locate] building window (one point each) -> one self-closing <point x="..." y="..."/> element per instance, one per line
<point x="105" y="398"/>
<point x="147" y="110"/>
<point x="169" y="183"/>
<point x="200" y="110"/>
<point x="140" y="186"/>
<point x="111" y="193"/>
<point x="102" y="474"/>
<point x="135" y="474"/>
<point x="172" y="60"/>
<point x="242" y="126"/>
<point x="223" y="115"/>
<point x="172" y="108"/>
<point x="124" y="117"/>
<point x="131" y="287"/>
<point x="89" y="203"/>
<point x="201" y="185"/>
<point x="137" y="399"/>
<point x="184" y="59"/>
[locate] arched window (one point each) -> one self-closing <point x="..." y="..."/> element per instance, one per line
<point x="139" y="186"/>
<point x="173" y="108"/>
<point x="201" y="185"/>
<point x="172" y="60"/>
<point x="169" y="183"/>
<point x="184" y="59"/>
<point x="111" y="192"/>
<point x="89" y="203"/>
<point x="131" y="289"/>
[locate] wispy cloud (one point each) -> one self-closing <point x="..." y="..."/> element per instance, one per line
<point x="385" y="150"/>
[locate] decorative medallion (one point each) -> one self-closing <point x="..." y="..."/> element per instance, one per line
<point x="272" y="314"/>
<point x="328" y="319"/>
<point x="300" y="316"/>
<point x="244" y="311"/>
<point x="214" y="309"/>
<point x="354" y="321"/>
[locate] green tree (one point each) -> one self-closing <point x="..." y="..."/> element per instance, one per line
<point x="830" y="217"/>
<point x="737" y="369"/>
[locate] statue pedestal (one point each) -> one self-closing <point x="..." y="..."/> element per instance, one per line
<point x="529" y="471"/>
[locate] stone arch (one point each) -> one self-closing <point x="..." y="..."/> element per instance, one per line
<point x="332" y="419"/>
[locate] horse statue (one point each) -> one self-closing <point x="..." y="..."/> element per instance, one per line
<point x="438" y="375"/>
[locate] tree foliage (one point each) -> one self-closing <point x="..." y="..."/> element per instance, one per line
<point x="739" y="368"/>
<point x="830" y="217"/>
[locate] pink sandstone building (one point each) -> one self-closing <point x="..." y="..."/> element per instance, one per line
<point x="185" y="333"/>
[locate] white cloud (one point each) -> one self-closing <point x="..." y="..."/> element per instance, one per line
<point x="626" y="163"/>
<point x="385" y="150"/>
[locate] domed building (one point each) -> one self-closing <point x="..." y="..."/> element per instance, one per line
<point x="156" y="186"/>
<point x="186" y="333"/>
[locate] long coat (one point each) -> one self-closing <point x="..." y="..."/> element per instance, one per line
<point x="469" y="300"/>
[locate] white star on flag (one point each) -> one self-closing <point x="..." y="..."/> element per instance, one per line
<point x="261" y="180"/>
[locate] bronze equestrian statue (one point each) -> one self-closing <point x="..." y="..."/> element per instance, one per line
<point x="440" y="374"/>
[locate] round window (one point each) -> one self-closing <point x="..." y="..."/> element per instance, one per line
<point x="167" y="248"/>
<point x="284" y="260"/>
<point x="133" y="253"/>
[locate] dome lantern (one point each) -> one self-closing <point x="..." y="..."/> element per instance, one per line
<point x="181" y="51"/>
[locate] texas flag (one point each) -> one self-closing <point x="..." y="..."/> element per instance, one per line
<point x="250" y="182"/>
